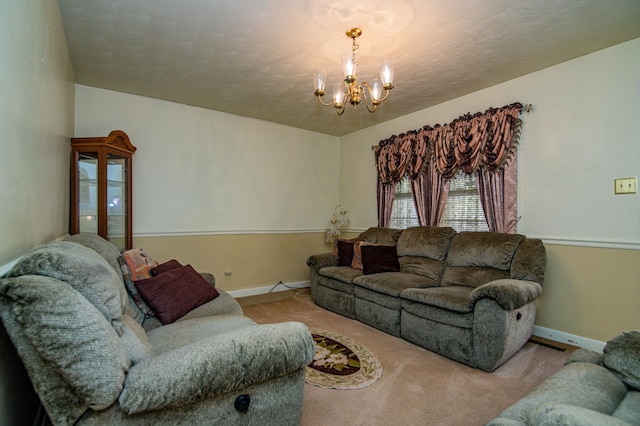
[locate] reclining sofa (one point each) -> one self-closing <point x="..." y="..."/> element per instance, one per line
<point x="468" y="296"/>
<point x="94" y="359"/>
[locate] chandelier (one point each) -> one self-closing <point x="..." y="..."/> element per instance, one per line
<point x="348" y="90"/>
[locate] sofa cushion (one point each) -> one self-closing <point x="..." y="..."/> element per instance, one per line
<point x="437" y="314"/>
<point x="105" y="249"/>
<point x="341" y="273"/>
<point x="83" y="269"/>
<point x="392" y="283"/>
<point x="379" y="258"/>
<point x="470" y="276"/>
<point x="379" y="235"/>
<point x="451" y="298"/>
<point x="424" y="266"/>
<point x="135" y="340"/>
<point x="74" y="357"/>
<point x="426" y="241"/>
<point x="175" y="292"/>
<point x="483" y="249"/>
<point x="621" y="355"/>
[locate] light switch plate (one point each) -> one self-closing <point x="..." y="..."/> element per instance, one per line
<point x="626" y="185"/>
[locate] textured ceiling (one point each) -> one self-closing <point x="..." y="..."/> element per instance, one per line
<point x="256" y="57"/>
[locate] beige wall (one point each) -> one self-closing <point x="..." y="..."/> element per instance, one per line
<point x="591" y="292"/>
<point x="255" y="260"/>
<point x="36" y="121"/>
<point x="582" y="134"/>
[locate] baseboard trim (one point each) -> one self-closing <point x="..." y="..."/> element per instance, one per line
<point x="570" y="339"/>
<point x="268" y="289"/>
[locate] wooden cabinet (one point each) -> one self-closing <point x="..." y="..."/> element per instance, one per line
<point x="101" y="170"/>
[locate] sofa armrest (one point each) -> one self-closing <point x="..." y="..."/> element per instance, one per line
<point x="585" y="355"/>
<point x="224" y="363"/>
<point x="318" y="261"/>
<point x="508" y="293"/>
<point x="551" y="414"/>
<point x="211" y="279"/>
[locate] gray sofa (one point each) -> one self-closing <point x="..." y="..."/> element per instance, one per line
<point x="66" y="310"/>
<point x="591" y="389"/>
<point x="468" y="296"/>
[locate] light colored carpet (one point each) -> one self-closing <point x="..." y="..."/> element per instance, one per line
<point x="417" y="387"/>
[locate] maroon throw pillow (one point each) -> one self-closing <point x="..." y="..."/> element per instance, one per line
<point x="176" y="292"/>
<point x="345" y="252"/>
<point x="166" y="266"/>
<point x="377" y="259"/>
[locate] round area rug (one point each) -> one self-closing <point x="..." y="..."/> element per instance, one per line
<point x="341" y="363"/>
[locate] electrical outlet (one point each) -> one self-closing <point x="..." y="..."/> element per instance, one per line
<point x="626" y="185"/>
<point x="227" y="274"/>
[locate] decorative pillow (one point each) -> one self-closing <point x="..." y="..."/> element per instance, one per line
<point x="133" y="291"/>
<point x="377" y="259"/>
<point x="356" y="263"/>
<point x="139" y="263"/>
<point x="621" y="355"/>
<point x="166" y="266"/>
<point x="174" y="293"/>
<point x="345" y="252"/>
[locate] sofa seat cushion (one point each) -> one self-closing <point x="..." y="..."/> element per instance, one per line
<point x="438" y="315"/>
<point x="224" y="304"/>
<point x="392" y="283"/>
<point x="181" y="333"/>
<point x="380" y="299"/>
<point x="340" y="273"/>
<point x="452" y="298"/>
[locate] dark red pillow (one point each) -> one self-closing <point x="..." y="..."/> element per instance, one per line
<point x="377" y="259"/>
<point x="175" y="292"/>
<point x="166" y="266"/>
<point x="345" y="252"/>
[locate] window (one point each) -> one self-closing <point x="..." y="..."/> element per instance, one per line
<point x="463" y="211"/>
<point x="403" y="213"/>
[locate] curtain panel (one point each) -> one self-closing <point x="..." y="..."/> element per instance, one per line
<point x="480" y="143"/>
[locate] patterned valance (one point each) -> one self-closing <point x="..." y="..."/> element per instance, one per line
<point x="482" y="140"/>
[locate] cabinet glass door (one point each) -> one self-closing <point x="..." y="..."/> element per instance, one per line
<point x="88" y="193"/>
<point x="117" y="200"/>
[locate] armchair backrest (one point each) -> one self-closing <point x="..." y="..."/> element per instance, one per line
<point x="62" y="309"/>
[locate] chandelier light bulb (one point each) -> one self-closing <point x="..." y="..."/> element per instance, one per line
<point x="386" y="74"/>
<point x="319" y="81"/>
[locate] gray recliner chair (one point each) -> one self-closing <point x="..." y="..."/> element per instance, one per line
<point x="67" y="312"/>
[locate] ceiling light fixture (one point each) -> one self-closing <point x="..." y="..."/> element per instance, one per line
<point x="349" y="90"/>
